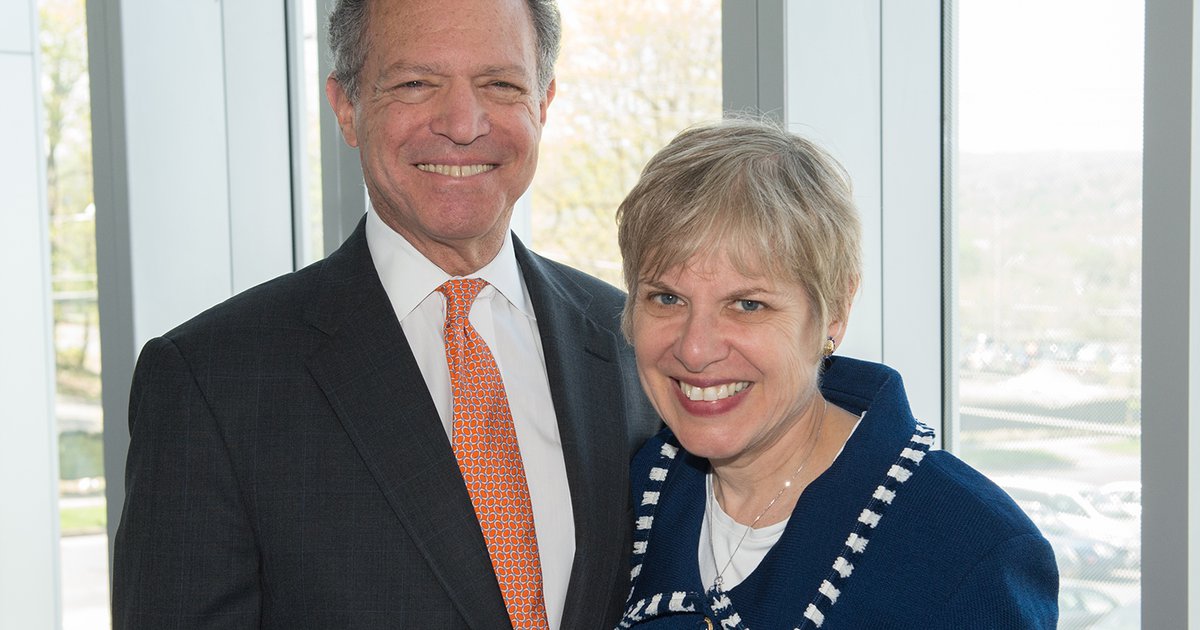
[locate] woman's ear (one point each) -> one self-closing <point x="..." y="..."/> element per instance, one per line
<point x="837" y="326"/>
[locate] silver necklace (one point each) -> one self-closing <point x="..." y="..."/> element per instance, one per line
<point x="718" y="581"/>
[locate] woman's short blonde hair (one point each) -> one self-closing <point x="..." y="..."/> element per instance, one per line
<point x="773" y="201"/>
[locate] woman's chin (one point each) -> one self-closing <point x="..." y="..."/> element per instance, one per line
<point x="713" y="445"/>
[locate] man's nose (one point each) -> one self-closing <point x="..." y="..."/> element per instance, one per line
<point x="462" y="116"/>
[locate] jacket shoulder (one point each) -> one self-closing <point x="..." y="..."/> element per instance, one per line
<point x="273" y="319"/>
<point x="975" y="493"/>
<point x="599" y="300"/>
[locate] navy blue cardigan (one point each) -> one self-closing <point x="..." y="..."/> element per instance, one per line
<point x="890" y="536"/>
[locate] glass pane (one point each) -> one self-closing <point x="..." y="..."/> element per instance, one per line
<point x="308" y="96"/>
<point x="1044" y="191"/>
<point x="631" y="75"/>
<point x="68" y="141"/>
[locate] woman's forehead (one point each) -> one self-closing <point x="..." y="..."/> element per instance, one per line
<point x="711" y="259"/>
<point x="745" y="247"/>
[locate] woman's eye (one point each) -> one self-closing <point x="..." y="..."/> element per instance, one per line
<point x="749" y="305"/>
<point x="666" y="299"/>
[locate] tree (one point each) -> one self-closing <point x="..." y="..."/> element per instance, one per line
<point x="631" y="76"/>
<point x="66" y="113"/>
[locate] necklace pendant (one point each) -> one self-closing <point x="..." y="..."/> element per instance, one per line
<point x="718" y="582"/>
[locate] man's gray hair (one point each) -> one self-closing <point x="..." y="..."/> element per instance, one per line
<point x="348" y="41"/>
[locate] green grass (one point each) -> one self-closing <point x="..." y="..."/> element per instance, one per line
<point x="1006" y="460"/>
<point x="71" y="380"/>
<point x="80" y="454"/>
<point x="88" y="519"/>
<point x="1129" y="446"/>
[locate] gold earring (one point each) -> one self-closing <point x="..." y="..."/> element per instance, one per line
<point x="828" y="346"/>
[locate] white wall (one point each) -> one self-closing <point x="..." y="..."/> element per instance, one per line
<point x="192" y="174"/>
<point x="29" y="564"/>
<point x="343" y="193"/>
<point x="912" y="276"/>
<point x="834" y="96"/>
<point x="863" y="79"/>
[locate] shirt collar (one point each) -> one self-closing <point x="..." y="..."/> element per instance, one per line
<point x="409" y="277"/>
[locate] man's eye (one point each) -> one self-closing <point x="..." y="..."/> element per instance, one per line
<point x="506" y="89"/>
<point x="415" y="84"/>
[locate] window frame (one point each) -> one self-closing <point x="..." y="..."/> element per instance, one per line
<point x="900" y="317"/>
<point x="29" y="535"/>
<point x="1171" y="260"/>
<point x="895" y="56"/>
<point x="1170" y="318"/>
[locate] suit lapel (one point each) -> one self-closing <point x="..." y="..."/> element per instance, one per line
<point x="374" y="385"/>
<point x="581" y="365"/>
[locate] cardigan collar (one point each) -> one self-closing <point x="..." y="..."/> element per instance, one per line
<point x="816" y="532"/>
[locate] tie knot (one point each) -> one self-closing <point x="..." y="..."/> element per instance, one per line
<point x="460" y="295"/>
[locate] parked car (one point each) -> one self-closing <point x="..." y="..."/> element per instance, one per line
<point x="1075" y="503"/>
<point x="1080" y="606"/>
<point x="1127" y="616"/>
<point x="1078" y="555"/>
<point x="1067" y="510"/>
<point x="1125" y="496"/>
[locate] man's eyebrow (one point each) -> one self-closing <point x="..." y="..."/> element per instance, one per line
<point x="401" y="67"/>
<point x="502" y="70"/>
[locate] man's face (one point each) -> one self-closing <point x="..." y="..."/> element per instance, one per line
<point x="447" y="122"/>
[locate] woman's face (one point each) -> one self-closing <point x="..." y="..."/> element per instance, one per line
<point x="728" y="360"/>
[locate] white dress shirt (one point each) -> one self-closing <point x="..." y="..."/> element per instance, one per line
<point x="503" y="315"/>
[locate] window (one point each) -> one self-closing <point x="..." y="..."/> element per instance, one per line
<point x="307" y="99"/>
<point x="630" y="76"/>
<point x="68" y="144"/>
<point x="1044" y="192"/>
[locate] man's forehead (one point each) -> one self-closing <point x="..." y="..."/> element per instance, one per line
<point x="407" y="37"/>
<point x="414" y="17"/>
<point x="407" y="68"/>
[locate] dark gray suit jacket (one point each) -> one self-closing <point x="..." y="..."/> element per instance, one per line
<point x="287" y="467"/>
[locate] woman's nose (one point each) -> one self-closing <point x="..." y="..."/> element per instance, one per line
<point x="701" y="343"/>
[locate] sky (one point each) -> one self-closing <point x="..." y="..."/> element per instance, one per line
<point x="1049" y="75"/>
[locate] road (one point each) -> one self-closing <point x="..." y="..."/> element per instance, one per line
<point x="85" y="582"/>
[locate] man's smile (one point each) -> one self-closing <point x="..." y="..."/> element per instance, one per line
<point x="455" y="170"/>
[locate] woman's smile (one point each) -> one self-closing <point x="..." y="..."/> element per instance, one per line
<point x="712" y="393"/>
<point x="728" y="356"/>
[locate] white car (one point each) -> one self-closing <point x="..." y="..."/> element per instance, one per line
<point x="1124" y="495"/>
<point x="1075" y="506"/>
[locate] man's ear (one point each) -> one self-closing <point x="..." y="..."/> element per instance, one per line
<point x="547" y="97"/>
<point x="343" y="108"/>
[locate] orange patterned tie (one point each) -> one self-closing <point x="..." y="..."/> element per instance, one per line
<point x="485" y="443"/>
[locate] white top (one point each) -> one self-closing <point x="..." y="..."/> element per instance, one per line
<point x="726" y="533"/>
<point x="504" y="317"/>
